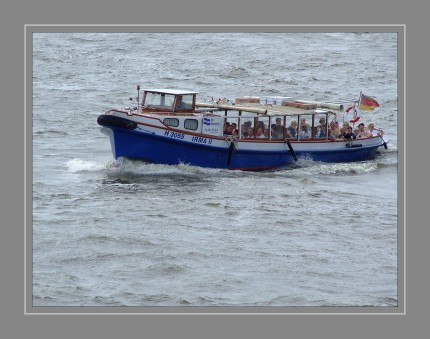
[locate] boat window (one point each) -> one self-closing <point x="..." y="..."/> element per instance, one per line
<point x="171" y="122"/>
<point x="191" y="124"/>
<point x="159" y="100"/>
<point x="184" y="102"/>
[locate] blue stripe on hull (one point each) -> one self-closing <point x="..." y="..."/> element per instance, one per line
<point x="169" y="151"/>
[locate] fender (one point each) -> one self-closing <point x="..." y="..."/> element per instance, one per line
<point x="114" y="121"/>
<point x="293" y="153"/>
<point x="230" y="152"/>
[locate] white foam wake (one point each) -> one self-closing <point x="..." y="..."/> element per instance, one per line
<point x="79" y="165"/>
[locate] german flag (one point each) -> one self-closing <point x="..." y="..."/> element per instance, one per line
<point x="367" y="103"/>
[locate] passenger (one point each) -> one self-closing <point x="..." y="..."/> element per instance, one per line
<point x="292" y="129"/>
<point x="250" y="132"/>
<point x="260" y="133"/>
<point x="361" y="131"/>
<point x="334" y="131"/>
<point x="225" y="127"/>
<point x="260" y="124"/>
<point x="344" y="128"/>
<point x="181" y="104"/>
<point x="234" y="130"/>
<point x="266" y="132"/>
<point x="278" y="129"/>
<point x="322" y="128"/>
<point x="247" y="124"/>
<point x="305" y="133"/>
<point x="303" y="122"/>
<point x="229" y="130"/>
<point x="373" y="132"/>
<point x="348" y="135"/>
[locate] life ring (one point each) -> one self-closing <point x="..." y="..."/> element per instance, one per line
<point x="349" y="108"/>
<point x="353" y="121"/>
<point x="230" y="138"/>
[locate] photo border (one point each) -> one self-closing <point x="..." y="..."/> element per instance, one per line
<point x="218" y="310"/>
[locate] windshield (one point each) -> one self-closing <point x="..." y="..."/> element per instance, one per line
<point x="159" y="100"/>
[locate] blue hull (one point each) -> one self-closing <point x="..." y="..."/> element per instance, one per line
<point x="340" y="155"/>
<point x="158" y="149"/>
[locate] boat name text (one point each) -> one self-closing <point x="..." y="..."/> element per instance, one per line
<point x="201" y="140"/>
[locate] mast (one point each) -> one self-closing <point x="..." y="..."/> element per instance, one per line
<point x="138" y="91"/>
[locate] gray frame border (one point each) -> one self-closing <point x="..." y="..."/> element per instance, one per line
<point x="251" y="310"/>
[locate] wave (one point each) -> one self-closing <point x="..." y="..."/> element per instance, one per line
<point x="234" y="72"/>
<point x="302" y="168"/>
<point x="306" y="168"/>
<point x="79" y="165"/>
<point x="164" y="268"/>
<point x="137" y="167"/>
<point x="50" y="132"/>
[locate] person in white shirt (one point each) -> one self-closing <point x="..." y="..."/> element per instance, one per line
<point x="373" y="132"/>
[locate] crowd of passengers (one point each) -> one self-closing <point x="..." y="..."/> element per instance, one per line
<point x="277" y="130"/>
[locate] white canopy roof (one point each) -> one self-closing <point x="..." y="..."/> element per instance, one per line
<point x="170" y="91"/>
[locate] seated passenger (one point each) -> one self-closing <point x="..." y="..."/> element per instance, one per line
<point x="260" y="133"/>
<point x="248" y="133"/>
<point x="334" y="131"/>
<point x="303" y="122"/>
<point x="372" y="131"/>
<point x="229" y="130"/>
<point x="278" y="129"/>
<point x="322" y="129"/>
<point x="181" y="104"/>
<point x="225" y="127"/>
<point x="234" y="130"/>
<point x="361" y="132"/>
<point x="348" y="135"/>
<point x="292" y="129"/>
<point x="246" y="124"/>
<point x="344" y="128"/>
<point x="260" y="124"/>
<point x="305" y="133"/>
<point x="277" y="132"/>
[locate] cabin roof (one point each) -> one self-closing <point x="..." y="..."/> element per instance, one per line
<point x="170" y="91"/>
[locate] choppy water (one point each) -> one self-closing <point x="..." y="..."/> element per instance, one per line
<point x="111" y="233"/>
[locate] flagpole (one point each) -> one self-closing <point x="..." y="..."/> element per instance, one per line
<point x="355" y="110"/>
<point x="359" y="100"/>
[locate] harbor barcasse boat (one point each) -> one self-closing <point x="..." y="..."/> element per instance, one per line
<point x="169" y="127"/>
